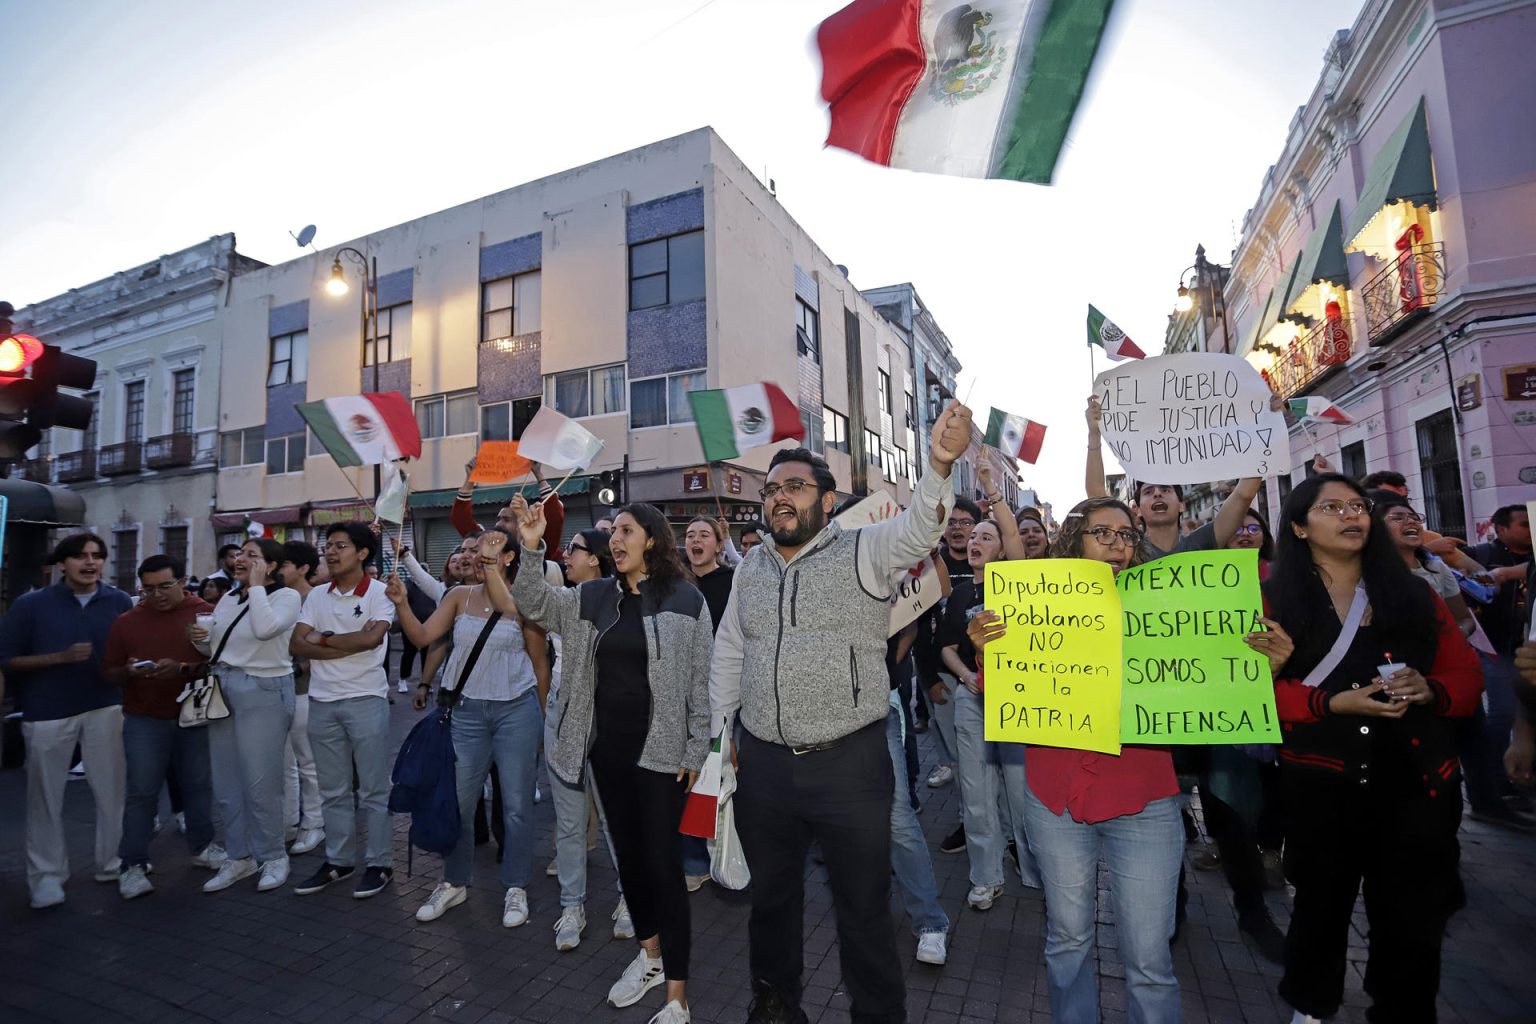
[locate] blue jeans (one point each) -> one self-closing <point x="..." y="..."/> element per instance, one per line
<point x="910" y="858"/>
<point x="1142" y="853"/>
<point x="992" y="793"/>
<point x="507" y="732"/>
<point x="943" y="716"/>
<point x="571" y="822"/>
<point x="246" y="753"/>
<point x="154" y="748"/>
<point x="341" y="733"/>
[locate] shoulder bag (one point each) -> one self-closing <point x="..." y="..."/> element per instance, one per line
<point x="202" y="700"/>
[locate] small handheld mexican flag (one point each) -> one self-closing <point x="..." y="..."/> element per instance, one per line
<point x="1316" y="407"/>
<point x="364" y="430"/>
<point x="1103" y="333"/>
<point x="733" y="420"/>
<point x="1015" y="436"/>
<point x="699" y="813"/>
<point x="558" y="441"/>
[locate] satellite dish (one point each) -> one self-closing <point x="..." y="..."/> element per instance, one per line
<point x="305" y="236"/>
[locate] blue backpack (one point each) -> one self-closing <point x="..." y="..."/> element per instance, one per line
<point x="425" y="782"/>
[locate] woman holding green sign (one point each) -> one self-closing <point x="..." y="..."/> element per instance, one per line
<point x="1369" y="772"/>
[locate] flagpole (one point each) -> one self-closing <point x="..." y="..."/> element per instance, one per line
<point x="568" y="475"/>
<point x="1302" y="422"/>
<point x="719" y="508"/>
<point x="405" y="506"/>
<point x="359" y="492"/>
<point x="1093" y="369"/>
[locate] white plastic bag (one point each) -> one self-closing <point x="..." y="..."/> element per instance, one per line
<point x="727" y="864"/>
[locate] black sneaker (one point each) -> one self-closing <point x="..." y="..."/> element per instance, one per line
<point x="327" y="874"/>
<point x="954" y="842"/>
<point x="372" y="883"/>
<point x="1264" y="934"/>
<point x="769" y="1007"/>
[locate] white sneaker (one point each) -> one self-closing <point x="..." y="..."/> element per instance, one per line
<point x="941" y="776"/>
<point x="573" y="921"/>
<point x="933" y="948"/>
<point x="230" y="872"/>
<point x="181" y="822"/>
<point x="538" y="794"/>
<point x="443" y="897"/>
<point x="695" y="882"/>
<point x="553" y="870"/>
<point x="1301" y="1018"/>
<point x="673" y="1013"/>
<point x="112" y="871"/>
<point x="403" y="688"/>
<point x="982" y="897"/>
<point x="308" y="839"/>
<point x="273" y="874"/>
<point x="213" y="856"/>
<point x="134" y="882"/>
<point x="643" y="974"/>
<point x="47" y="893"/>
<point x="156" y="827"/>
<point x="514" y="909"/>
<point x="623" y="924"/>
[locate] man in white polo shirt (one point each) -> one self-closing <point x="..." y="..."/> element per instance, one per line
<point x="341" y="631"/>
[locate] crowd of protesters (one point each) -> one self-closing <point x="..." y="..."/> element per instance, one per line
<point x="1402" y="677"/>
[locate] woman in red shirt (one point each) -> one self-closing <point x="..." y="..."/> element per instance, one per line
<point x="1369" y="775"/>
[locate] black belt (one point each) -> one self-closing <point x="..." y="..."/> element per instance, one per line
<point x="812" y="748"/>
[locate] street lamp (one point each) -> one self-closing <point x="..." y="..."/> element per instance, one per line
<point x="1184" y="303"/>
<point x="1208" y="279"/>
<point x="337" y="286"/>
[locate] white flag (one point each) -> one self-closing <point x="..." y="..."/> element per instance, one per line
<point x="390" y="506"/>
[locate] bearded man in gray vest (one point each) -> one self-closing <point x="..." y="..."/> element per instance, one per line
<point x="801" y="654"/>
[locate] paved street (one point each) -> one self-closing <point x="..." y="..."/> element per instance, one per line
<point x="240" y="956"/>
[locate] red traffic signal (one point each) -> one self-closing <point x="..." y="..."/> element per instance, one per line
<point x="18" y="352"/>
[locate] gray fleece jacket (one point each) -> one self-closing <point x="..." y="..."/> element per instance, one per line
<point x="801" y="648"/>
<point x="678" y="636"/>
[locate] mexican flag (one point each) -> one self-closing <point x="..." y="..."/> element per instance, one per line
<point x="699" y="813"/>
<point x="1103" y="333"/>
<point x="1015" y="436"/>
<point x="1316" y="407"/>
<point x="735" y="419"/>
<point x="558" y="441"/>
<point x="977" y="90"/>
<point x="364" y="430"/>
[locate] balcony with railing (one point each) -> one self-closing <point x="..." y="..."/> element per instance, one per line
<point x="37" y="469"/>
<point x="76" y="467"/>
<point x="1309" y="357"/>
<point x="121" y="459"/>
<point x="1412" y="283"/>
<point x="169" y="451"/>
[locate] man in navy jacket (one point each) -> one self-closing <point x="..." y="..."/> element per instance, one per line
<point x="51" y="644"/>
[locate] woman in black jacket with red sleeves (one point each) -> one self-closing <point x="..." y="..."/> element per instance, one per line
<point x="1370" y="777"/>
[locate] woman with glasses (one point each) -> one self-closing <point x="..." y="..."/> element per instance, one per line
<point x="255" y="672"/>
<point x="1406" y="527"/>
<point x="1369" y="773"/>
<point x="1253" y="535"/>
<point x="1081" y="806"/>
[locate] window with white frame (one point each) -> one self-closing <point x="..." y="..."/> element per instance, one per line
<point x="663" y="401"/>
<point x="592" y="392"/>
<point x="510" y="306"/>
<point x="391" y="339"/>
<point x="666" y="271"/>
<point x="447" y="415"/>
<point x="872" y="447"/>
<point x="242" y="447"/>
<point x="883" y="384"/>
<point x="506" y="421"/>
<point x="807" y="330"/>
<point x="285" y="454"/>
<point x="90" y="437"/>
<point x="813" y="425"/>
<point x="289" y="359"/>
<point x="183" y="400"/>
<point x="834" y="426"/>
<point x="133" y="410"/>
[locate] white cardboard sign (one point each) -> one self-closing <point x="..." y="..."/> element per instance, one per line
<point x="1190" y="418"/>
<point x="876" y="508"/>
<point x="919" y="589"/>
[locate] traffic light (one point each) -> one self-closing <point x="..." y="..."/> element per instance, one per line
<point x="610" y="486"/>
<point x="56" y="369"/>
<point x="30" y="405"/>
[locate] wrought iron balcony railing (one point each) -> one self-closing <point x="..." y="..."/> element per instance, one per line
<point x="169" y="451"/>
<point x="76" y="467"/>
<point x="121" y="459"/>
<point x="1404" y="291"/>
<point x="1310" y="357"/>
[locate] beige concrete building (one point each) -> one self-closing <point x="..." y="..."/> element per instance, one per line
<point x="610" y="291"/>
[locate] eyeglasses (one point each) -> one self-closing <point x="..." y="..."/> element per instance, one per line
<point x="163" y="588"/>
<point x="1251" y="529"/>
<point x="790" y="487"/>
<point x="1108" y="537"/>
<point x="1403" y="517"/>
<point x="1343" y="509"/>
<point x="337" y="545"/>
<point x="573" y="548"/>
<point x="962" y="522"/>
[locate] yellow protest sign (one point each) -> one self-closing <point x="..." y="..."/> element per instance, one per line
<point x="1054" y="678"/>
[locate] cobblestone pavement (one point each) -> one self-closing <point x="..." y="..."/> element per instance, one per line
<point x="242" y="956"/>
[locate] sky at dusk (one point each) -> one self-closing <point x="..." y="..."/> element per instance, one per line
<point x="134" y="130"/>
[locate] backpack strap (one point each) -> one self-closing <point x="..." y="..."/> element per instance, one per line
<point x="451" y="698"/>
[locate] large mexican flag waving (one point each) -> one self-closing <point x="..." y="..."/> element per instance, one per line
<point x="983" y="90"/>
<point x="1103" y="333"/>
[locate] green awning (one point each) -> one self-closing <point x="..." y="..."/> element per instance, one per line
<point x="496" y="495"/>
<point x="1322" y="261"/>
<point x="1401" y="171"/>
<point x="1251" y="334"/>
<point x="1278" y="311"/>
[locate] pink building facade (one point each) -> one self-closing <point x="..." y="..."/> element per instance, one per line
<point x="1389" y="263"/>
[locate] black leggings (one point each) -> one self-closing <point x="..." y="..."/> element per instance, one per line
<point x="644" y="810"/>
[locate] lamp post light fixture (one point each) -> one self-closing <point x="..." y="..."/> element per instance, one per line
<point x="1210" y="281"/>
<point x="337" y="286"/>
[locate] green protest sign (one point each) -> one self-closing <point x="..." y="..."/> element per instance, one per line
<point x="1054" y="677"/>
<point x="1189" y="677"/>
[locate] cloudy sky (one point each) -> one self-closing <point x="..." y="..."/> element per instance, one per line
<point x="133" y="130"/>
